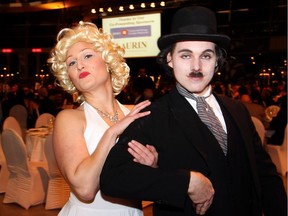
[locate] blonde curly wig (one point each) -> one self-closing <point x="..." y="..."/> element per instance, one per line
<point x="103" y="43"/>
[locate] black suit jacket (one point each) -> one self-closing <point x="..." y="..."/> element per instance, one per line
<point x="178" y="134"/>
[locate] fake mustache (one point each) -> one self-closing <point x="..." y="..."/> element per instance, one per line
<point x="196" y="74"/>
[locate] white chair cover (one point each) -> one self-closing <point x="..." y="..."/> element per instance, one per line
<point x="27" y="183"/>
<point x="58" y="190"/>
<point x="12" y="123"/>
<point x="20" y="113"/>
<point x="260" y="128"/>
<point x="4" y="173"/>
<point x="44" y="120"/>
<point x="278" y="154"/>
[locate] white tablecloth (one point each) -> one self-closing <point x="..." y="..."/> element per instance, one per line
<point x="35" y="140"/>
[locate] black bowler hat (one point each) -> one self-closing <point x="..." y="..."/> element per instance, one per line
<point x="194" y="23"/>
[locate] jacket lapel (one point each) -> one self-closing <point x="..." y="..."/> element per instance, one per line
<point x="187" y="120"/>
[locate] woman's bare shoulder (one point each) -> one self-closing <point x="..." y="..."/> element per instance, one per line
<point x="76" y="111"/>
<point x="70" y="115"/>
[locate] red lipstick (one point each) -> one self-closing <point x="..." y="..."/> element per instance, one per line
<point x="83" y="75"/>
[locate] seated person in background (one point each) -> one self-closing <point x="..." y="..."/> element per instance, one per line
<point x="32" y="110"/>
<point x="279" y="122"/>
<point x="45" y="104"/>
<point x="142" y="89"/>
<point x="219" y="88"/>
<point x="255" y="110"/>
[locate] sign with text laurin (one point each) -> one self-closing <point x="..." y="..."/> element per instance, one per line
<point x="138" y="34"/>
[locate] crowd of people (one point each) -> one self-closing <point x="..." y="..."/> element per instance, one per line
<point x="52" y="99"/>
<point x="36" y="98"/>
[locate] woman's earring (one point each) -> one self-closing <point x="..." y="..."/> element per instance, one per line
<point x="75" y="97"/>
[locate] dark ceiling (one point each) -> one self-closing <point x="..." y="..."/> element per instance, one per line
<point x="255" y="27"/>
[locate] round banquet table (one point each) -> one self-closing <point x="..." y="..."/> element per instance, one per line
<point x="35" y="141"/>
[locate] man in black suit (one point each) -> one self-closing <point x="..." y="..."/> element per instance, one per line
<point x="195" y="175"/>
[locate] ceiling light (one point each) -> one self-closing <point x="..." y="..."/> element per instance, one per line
<point x="93" y="10"/>
<point x="143" y="5"/>
<point x="121" y="8"/>
<point x="152" y="5"/>
<point x="131" y="7"/>
<point x="242" y="10"/>
<point x="162" y="3"/>
<point x="101" y="10"/>
<point x="224" y="12"/>
<point x="109" y="9"/>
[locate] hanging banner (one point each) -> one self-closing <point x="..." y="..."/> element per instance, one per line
<point x="137" y="34"/>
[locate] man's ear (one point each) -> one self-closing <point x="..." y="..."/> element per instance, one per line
<point x="169" y="60"/>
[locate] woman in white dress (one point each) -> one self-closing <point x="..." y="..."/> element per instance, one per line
<point x="87" y="63"/>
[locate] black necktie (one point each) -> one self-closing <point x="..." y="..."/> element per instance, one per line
<point x="208" y="117"/>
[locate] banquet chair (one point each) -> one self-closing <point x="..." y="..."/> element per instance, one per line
<point x="278" y="154"/>
<point x="12" y="123"/>
<point x="4" y="173"/>
<point x="58" y="190"/>
<point x="27" y="181"/>
<point x="259" y="128"/>
<point x="44" y="120"/>
<point x="20" y="113"/>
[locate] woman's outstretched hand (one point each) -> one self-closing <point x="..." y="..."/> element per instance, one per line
<point x="134" y="114"/>
<point x="146" y="155"/>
